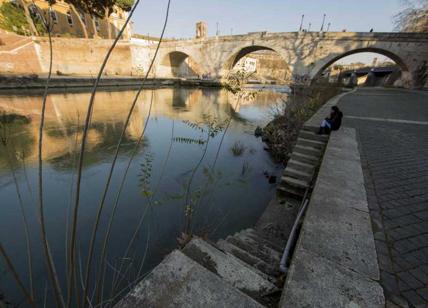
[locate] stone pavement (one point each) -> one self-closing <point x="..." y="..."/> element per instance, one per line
<point x="392" y="127"/>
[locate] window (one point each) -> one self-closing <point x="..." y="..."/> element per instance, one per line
<point x="70" y="18"/>
<point x="53" y="15"/>
<point x="33" y="10"/>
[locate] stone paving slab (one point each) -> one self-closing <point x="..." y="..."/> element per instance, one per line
<point x="395" y="165"/>
<point x="318" y="282"/>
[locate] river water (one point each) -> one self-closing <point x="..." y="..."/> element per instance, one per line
<point x="207" y="133"/>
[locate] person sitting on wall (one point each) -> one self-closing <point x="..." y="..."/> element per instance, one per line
<point x="333" y="122"/>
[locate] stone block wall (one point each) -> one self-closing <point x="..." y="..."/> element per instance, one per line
<point x="84" y="57"/>
<point x="17" y="55"/>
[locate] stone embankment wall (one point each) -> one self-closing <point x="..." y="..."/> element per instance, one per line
<point x="84" y="57"/>
<point x="71" y="56"/>
<point x="18" y="55"/>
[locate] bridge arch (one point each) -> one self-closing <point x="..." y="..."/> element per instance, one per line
<point x="233" y="59"/>
<point x="320" y="66"/>
<point x="178" y="64"/>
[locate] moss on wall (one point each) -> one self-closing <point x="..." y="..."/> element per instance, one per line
<point x="12" y="18"/>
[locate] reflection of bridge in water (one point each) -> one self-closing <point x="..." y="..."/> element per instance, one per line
<point x="65" y="116"/>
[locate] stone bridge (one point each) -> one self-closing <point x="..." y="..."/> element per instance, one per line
<point x="307" y="54"/>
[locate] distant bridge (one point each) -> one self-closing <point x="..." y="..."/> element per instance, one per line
<point x="370" y="76"/>
<point x="307" y="54"/>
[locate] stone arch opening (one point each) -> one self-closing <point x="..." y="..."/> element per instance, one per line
<point x="368" y="74"/>
<point x="261" y="63"/>
<point x="179" y="65"/>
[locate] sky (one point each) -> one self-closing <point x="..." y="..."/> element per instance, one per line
<point x="243" y="16"/>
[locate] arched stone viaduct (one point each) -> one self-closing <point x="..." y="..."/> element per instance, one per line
<point x="307" y="54"/>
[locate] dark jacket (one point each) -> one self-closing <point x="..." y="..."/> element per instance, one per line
<point x="336" y="120"/>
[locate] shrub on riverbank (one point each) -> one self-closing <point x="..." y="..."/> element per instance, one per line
<point x="281" y="133"/>
<point x="13" y="19"/>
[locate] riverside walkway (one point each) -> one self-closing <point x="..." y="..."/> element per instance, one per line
<point x="392" y="132"/>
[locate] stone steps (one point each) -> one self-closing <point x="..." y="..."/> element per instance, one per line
<point x="303" y="162"/>
<point x="298" y="165"/>
<point x="311" y="135"/>
<point x="205" y="274"/>
<point x="307" y="150"/>
<point x="253" y="248"/>
<point x="289" y="181"/>
<point x="311" y="143"/>
<point x="261" y="238"/>
<point x="259" y="250"/>
<point x="298" y="174"/>
<point x="179" y="281"/>
<point x="248" y="258"/>
<point x="291" y="192"/>
<point x="230" y="268"/>
<point x="305" y="158"/>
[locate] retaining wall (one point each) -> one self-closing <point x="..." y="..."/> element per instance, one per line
<point x="335" y="263"/>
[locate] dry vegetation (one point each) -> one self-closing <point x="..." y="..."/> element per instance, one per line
<point x="281" y="133"/>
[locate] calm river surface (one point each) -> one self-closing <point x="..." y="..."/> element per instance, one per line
<point x="228" y="192"/>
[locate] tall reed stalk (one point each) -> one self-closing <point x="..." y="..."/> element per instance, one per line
<point x="116" y="283"/>
<point x="16" y="276"/>
<point x="25" y="221"/>
<point x="49" y="260"/>
<point x="236" y="88"/>
<point x="101" y="274"/>
<point x="72" y="254"/>
<point x="113" y="164"/>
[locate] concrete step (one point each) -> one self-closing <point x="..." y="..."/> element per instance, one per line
<point x="294" y="182"/>
<point x="231" y="269"/>
<point x="259" y="250"/>
<point x="248" y="258"/>
<point x="298" y="174"/>
<point x="311" y="128"/>
<point x="261" y="238"/>
<point x="311" y="143"/>
<point x="304" y="167"/>
<point x="307" y="134"/>
<point x="181" y="282"/>
<point x="307" y="150"/>
<point x="291" y="192"/>
<point x="304" y="158"/>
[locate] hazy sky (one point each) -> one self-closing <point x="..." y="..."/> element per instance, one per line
<point x="242" y="16"/>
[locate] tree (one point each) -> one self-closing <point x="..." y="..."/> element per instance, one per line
<point x="414" y="18"/>
<point x="125" y="5"/>
<point x="97" y="9"/>
<point x="102" y="9"/>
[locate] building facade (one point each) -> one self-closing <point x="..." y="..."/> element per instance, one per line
<point x="68" y="21"/>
